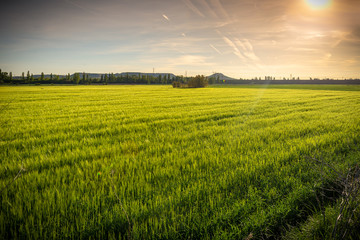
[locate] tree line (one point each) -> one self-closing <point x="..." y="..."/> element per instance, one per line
<point x="108" y="78"/>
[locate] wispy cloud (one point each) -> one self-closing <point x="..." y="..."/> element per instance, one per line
<point x="232" y="45"/>
<point x="166" y="17"/>
<point x="242" y="48"/>
<point x="209" y="10"/>
<point x="216" y="50"/>
<point x="213" y="10"/>
<point x="193" y="8"/>
<point x="247" y="49"/>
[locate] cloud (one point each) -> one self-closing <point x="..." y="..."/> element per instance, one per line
<point x="207" y="8"/>
<point x="234" y="47"/>
<point x="166" y="17"/>
<point x="190" y="60"/>
<point x="216" y="50"/>
<point x="247" y="49"/>
<point x="230" y="44"/>
<point x="220" y="8"/>
<point x="193" y="8"/>
<point x="242" y="48"/>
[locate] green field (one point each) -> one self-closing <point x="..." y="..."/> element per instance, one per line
<point x="153" y="162"/>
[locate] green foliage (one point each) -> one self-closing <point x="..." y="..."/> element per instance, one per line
<point x="76" y="78"/>
<point x="198" y="81"/>
<point x="176" y="84"/>
<point x="28" y="77"/>
<point x="4" y="75"/>
<point x="105" y="79"/>
<point x="340" y="218"/>
<point x="211" y="163"/>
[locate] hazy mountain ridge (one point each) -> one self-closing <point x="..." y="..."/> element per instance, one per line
<point x="221" y="76"/>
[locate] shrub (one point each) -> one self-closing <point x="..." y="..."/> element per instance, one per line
<point x="198" y="81"/>
<point x="176" y="84"/>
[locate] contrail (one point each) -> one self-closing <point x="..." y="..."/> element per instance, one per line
<point x="217" y="50"/>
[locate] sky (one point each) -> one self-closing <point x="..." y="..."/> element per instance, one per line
<point x="239" y="38"/>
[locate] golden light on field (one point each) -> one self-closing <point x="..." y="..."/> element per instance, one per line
<point x="319" y="4"/>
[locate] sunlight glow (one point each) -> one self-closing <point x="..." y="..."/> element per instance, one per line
<point x="319" y="4"/>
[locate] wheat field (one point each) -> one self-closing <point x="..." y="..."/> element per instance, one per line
<point x="153" y="162"/>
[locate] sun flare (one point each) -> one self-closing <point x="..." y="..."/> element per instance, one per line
<point x="319" y="4"/>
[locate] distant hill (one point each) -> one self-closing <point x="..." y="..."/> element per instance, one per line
<point x="220" y="76"/>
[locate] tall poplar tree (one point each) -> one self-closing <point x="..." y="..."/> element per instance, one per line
<point x="28" y="76"/>
<point x="76" y="78"/>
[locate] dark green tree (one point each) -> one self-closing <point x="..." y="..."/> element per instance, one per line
<point x="28" y="76"/>
<point x="42" y="76"/>
<point x="76" y="78"/>
<point x="23" y="76"/>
